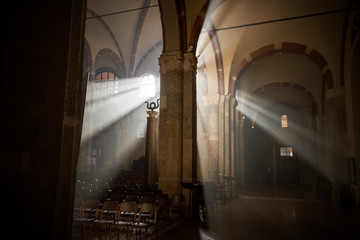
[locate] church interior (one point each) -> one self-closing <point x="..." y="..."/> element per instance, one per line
<point x="243" y="112"/>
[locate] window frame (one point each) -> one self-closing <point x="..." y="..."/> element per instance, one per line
<point x="107" y="72"/>
<point x="147" y="83"/>
<point x="284" y="121"/>
<point x="286" y="151"/>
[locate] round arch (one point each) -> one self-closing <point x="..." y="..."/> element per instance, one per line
<point x="259" y="92"/>
<point x="288" y="85"/>
<point x="87" y="64"/>
<point x="113" y="57"/>
<point x="285" y="47"/>
<point x="102" y="22"/>
<point x="181" y="25"/>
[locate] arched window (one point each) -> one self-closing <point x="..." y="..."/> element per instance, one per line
<point x="147" y="85"/>
<point x="107" y="79"/>
<point x="104" y="76"/>
<point x="284" y="121"/>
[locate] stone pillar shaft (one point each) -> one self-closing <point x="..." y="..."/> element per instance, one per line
<point x="213" y="117"/>
<point x="177" y="127"/>
<point x="227" y="140"/>
<point x="221" y="163"/>
<point x="242" y="152"/>
<point x="151" y="150"/>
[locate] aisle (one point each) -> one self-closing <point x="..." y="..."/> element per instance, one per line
<point x="274" y="217"/>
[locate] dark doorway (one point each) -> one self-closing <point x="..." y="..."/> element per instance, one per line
<point x="288" y="167"/>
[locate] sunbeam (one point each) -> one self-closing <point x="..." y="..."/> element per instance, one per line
<point x="114" y="129"/>
<point x="266" y="115"/>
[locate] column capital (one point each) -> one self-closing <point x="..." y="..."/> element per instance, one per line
<point x="190" y="62"/>
<point x="152" y="114"/>
<point x="230" y="99"/>
<point x="170" y="61"/>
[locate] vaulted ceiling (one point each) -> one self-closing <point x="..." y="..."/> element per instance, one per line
<point x="245" y="47"/>
<point x="131" y="29"/>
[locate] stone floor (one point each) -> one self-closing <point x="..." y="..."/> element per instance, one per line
<point x="270" y="213"/>
<point x="273" y="214"/>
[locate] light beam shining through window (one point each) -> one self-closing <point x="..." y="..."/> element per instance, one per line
<point x="147" y="86"/>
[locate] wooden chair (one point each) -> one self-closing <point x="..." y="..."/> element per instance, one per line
<point x="126" y="215"/>
<point x="146" y="219"/>
<point x="148" y="199"/>
<point x="117" y="196"/>
<point x="132" y="198"/>
<point x="78" y="205"/>
<point x="107" y="217"/>
<point x="88" y="212"/>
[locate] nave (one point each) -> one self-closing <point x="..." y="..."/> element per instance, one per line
<point x="259" y="212"/>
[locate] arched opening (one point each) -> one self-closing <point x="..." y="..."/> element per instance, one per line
<point x="147" y="86"/>
<point x="280" y="139"/>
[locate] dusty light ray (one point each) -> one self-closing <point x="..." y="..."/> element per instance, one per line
<point x="251" y="110"/>
<point x="106" y="106"/>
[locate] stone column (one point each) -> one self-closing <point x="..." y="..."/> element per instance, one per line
<point x="177" y="129"/>
<point x="227" y="137"/>
<point x="241" y="151"/>
<point x="171" y="122"/>
<point x="232" y="128"/>
<point x="213" y="147"/>
<point x="221" y="131"/>
<point x="227" y="142"/>
<point x="237" y="146"/>
<point x="231" y="137"/>
<point x="203" y="167"/>
<point x="151" y="150"/>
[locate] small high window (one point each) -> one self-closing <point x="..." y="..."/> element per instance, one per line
<point x="286" y="151"/>
<point x="284" y="121"/>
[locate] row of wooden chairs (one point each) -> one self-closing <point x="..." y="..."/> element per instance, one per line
<point x="124" y="215"/>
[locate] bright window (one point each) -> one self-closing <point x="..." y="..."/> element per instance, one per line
<point x="107" y="79"/>
<point x="141" y="129"/>
<point x="104" y="76"/>
<point x="147" y="85"/>
<point x="286" y="151"/>
<point x="284" y="121"/>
